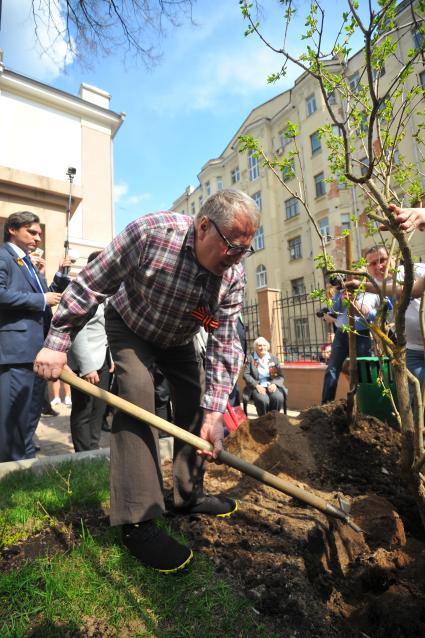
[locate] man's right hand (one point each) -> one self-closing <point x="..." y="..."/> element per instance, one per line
<point x="49" y="363"/>
<point x="52" y="298"/>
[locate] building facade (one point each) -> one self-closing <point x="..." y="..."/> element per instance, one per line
<point x="287" y="241"/>
<point x="43" y="133"/>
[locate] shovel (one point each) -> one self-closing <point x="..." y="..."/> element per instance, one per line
<point x="223" y="457"/>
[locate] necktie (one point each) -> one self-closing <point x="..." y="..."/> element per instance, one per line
<point x="31" y="268"/>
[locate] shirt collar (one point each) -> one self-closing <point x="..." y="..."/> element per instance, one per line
<point x="265" y="358"/>
<point x="21" y="253"/>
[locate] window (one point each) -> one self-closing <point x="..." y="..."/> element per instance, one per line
<point x="200" y="200"/>
<point x="257" y="199"/>
<point x="324" y="228"/>
<point x="208" y="188"/>
<point x="253" y="165"/>
<point x="235" y="175"/>
<point x="298" y="286"/>
<point x="332" y="98"/>
<point x="291" y="207"/>
<point x="302" y="330"/>
<point x="345" y="221"/>
<point x="261" y="276"/>
<point x="418" y="39"/>
<point x="378" y="73"/>
<point x="422" y="79"/>
<point x="315" y="143"/>
<point x="294" y="247"/>
<point x="311" y="105"/>
<point x="354" y="82"/>
<point x="288" y="171"/>
<point x="364" y="166"/>
<point x="219" y="183"/>
<point x="319" y="183"/>
<point x="192" y="208"/>
<point x="283" y="138"/>
<point x="259" y="239"/>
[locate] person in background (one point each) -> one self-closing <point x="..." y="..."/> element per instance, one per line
<point x="58" y="388"/>
<point x="366" y="305"/>
<point x="88" y="357"/>
<point x="264" y="379"/>
<point x="25" y="312"/>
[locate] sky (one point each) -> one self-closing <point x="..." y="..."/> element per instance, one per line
<point x="180" y="113"/>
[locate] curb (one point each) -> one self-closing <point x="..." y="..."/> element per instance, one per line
<point x="165" y="450"/>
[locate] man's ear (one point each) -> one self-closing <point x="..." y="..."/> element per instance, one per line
<point x="203" y="224"/>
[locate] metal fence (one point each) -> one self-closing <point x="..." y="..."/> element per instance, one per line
<point x="252" y="324"/>
<point x="303" y="332"/>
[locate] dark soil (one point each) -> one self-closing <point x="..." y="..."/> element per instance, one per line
<point x="307" y="575"/>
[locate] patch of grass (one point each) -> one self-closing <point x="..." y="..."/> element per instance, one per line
<point x="97" y="588"/>
<point x="30" y="500"/>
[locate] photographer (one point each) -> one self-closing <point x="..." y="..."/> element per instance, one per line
<point x="366" y="305"/>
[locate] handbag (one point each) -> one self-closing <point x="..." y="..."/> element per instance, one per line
<point x="234" y="417"/>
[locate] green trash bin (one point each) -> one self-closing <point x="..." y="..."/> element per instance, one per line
<point x="370" y="399"/>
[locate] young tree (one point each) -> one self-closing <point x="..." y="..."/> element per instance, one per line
<point x="102" y="26"/>
<point x="364" y="136"/>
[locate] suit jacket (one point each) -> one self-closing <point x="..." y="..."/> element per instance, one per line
<point x="88" y="350"/>
<point x="23" y="318"/>
<point x="251" y="376"/>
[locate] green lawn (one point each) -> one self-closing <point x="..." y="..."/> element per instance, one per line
<point x="91" y="586"/>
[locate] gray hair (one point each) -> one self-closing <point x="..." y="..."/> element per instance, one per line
<point x="19" y="219"/>
<point x="257" y="341"/>
<point x="223" y="207"/>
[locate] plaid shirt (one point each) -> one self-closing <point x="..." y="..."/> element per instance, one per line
<point x="154" y="281"/>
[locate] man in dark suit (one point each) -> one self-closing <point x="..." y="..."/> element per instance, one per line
<point x="25" y="312"/>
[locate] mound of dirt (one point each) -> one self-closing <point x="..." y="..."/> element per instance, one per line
<point x="306" y="574"/>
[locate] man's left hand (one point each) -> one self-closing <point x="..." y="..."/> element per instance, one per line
<point x="212" y="430"/>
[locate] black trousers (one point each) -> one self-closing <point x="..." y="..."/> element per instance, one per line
<point x="16" y="388"/>
<point x="136" y="478"/>
<point x="87" y="415"/>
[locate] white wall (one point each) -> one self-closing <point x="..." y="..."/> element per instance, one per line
<point x="38" y="139"/>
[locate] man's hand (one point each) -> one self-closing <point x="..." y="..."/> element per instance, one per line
<point x="65" y="262"/>
<point x="271" y="388"/>
<point x="49" y="363"/>
<point x="260" y="389"/>
<point x="92" y="377"/>
<point x="408" y="218"/>
<point x="327" y="318"/>
<point x="212" y="430"/>
<point x="52" y="298"/>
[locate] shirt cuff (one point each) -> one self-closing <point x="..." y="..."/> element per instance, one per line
<point x="57" y="340"/>
<point x="215" y="401"/>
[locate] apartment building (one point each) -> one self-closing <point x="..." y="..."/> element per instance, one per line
<point x="43" y="133"/>
<point x="287" y="240"/>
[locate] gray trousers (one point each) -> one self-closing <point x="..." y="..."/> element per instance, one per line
<point x="136" y="478"/>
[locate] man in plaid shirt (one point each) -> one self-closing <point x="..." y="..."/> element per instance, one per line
<point x="165" y="275"/>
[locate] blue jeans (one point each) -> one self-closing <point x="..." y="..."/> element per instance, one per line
<point x="339" y="353"/>
<point x="415" y="362"/>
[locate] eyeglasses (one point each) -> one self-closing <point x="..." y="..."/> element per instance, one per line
<point x="233" y="249"/>
<point x="378" y="262"/>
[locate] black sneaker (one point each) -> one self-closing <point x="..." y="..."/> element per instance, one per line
<point x="49" y="412"/>
<point x="215" y="505"/>
<point x="154" y="548"/>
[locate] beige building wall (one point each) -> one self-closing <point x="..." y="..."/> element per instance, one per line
<point x="43" y="132"/>
<point x="287" y="243"/>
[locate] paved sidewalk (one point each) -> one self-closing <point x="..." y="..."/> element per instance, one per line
<point x="54" y="437"/>
<point x="53" y="434"/>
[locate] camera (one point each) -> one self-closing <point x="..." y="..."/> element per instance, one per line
<point x="337" y="280"/>
<point x="325" y="311"/>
